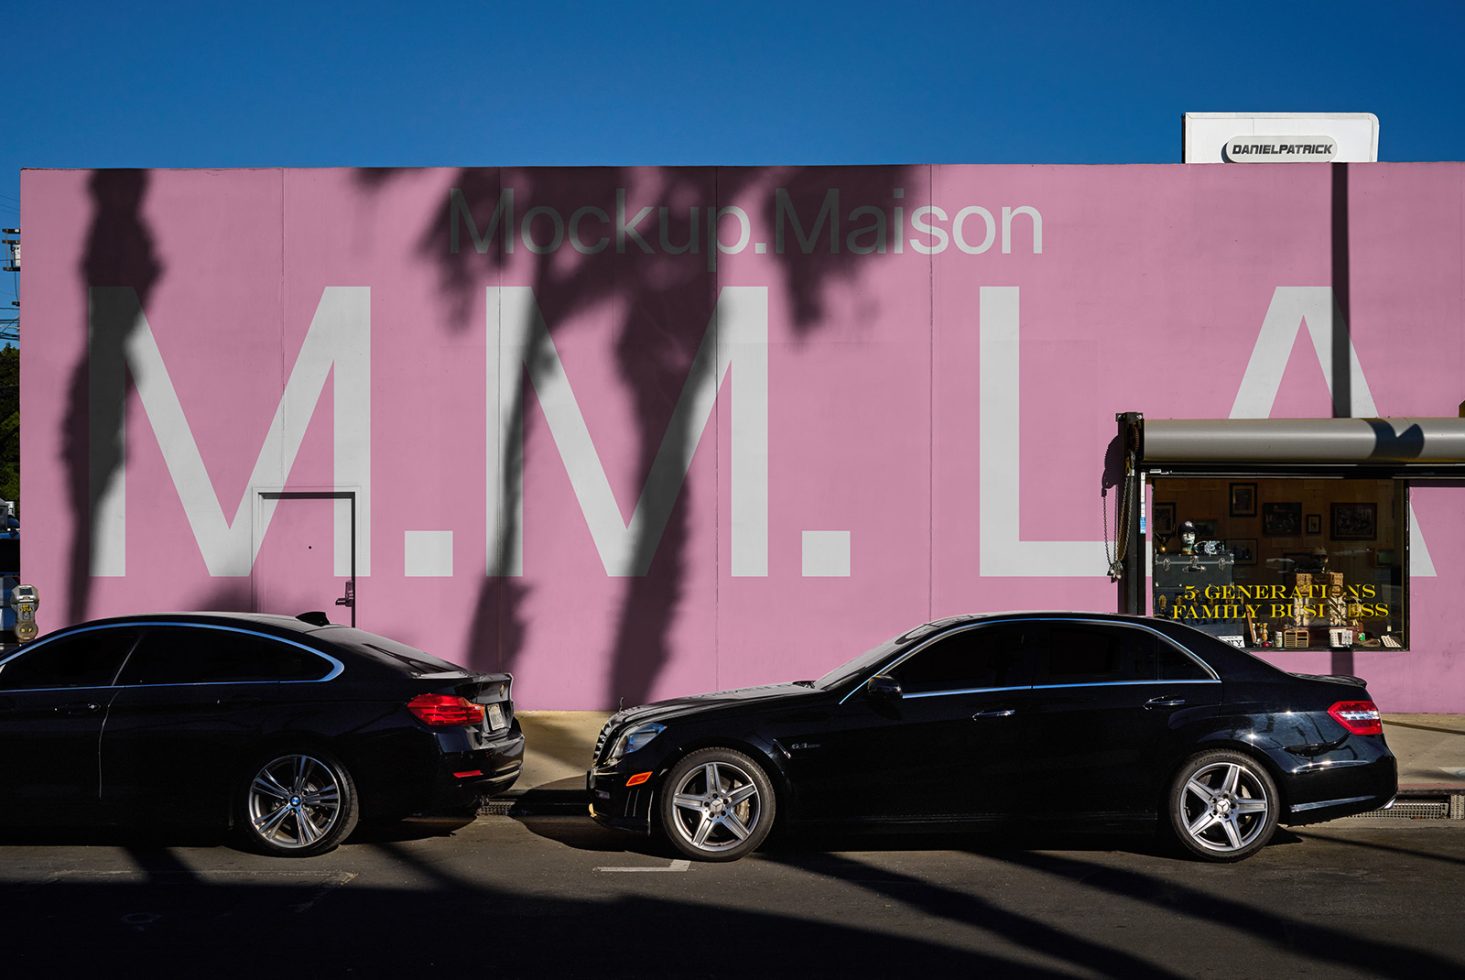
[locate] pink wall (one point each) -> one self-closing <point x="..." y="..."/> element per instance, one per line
<point x="1148" y="294"/>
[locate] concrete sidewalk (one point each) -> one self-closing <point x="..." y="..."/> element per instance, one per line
<point x="1430" y="749"/>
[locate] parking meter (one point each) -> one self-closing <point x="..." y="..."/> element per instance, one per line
<point x="24" y="599"/>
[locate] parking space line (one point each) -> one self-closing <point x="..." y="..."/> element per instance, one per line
<point x="675" y="866"/>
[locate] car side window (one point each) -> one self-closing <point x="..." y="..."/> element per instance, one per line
<point x="1083" y="653"/>
<point x="1091" y="653"/>
<point x="203" y="655"/>
<point x="89" y="658"/>
<point x="973" y="659"/>
<point x="1172" y="665"/>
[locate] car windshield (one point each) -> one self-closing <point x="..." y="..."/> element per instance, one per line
<point x="875" y="656"/>
<point x="864" y="662"/>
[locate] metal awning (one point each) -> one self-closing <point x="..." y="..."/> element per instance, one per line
<point x="1394" y="443"/>
<point x="1411" y="449"/>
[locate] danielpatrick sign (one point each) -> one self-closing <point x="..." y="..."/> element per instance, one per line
<point x="636" y="432"/>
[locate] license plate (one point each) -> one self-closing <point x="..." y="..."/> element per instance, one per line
<point x="495" y="716"/>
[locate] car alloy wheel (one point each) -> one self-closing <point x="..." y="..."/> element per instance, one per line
<point x="1223" y="806"/>
<point x="718" y="805"/>
<point x="299" y="804"/>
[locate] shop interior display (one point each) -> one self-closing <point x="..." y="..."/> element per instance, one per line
<point x="1273" y="573"/>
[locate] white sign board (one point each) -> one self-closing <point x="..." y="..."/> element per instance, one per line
<point x="1281" y="137"/>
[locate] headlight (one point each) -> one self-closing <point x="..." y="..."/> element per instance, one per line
<point x="634" y="738"/>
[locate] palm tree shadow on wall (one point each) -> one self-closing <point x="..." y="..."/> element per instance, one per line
<point x="119" y="251"/>
<point x="663" y="301"/>
<point x="663" y="305"/>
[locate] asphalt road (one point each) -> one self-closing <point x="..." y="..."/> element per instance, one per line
<point x="557" y="896"/>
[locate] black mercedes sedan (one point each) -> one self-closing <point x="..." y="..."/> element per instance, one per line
<point x="289" y="730"/>
<point x="1096" y="721"/>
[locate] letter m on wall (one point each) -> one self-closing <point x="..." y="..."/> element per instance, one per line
<point x="339" y="340"/>
<point x="519" y="341"/>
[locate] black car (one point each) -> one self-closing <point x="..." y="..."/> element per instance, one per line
<point x="1106" y="722"/>
<point x="288" y="729"/>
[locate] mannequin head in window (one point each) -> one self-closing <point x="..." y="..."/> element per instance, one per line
<point x="1187" y="538"/>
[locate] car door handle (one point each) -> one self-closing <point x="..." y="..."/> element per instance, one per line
<point x="77" y="708"/>
<point x="1164" y="701"/>
<point x="995" y="713"/>
<point x="239" y="700"/>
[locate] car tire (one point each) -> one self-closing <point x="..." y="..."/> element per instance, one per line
<point x="297" y="803"/>
<point x="717" y="805"/>
<point x="1223" y="806"/>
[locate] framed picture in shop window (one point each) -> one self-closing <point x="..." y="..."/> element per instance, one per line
<point x="1243" y="550"/>
<point x="1243" y="500"/>
<point x="1164" y="518"/>
<point x="1282" y="520"/>
<point x="1355" y="521"/>
<point x="1314" y="524"/>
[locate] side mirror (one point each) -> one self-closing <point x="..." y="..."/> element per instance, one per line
<point x="883" y="687"/>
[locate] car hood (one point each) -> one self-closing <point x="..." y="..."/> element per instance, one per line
<point x="700" y="703"/>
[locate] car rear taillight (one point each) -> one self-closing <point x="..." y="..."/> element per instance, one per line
<point x="1359" y="717"/>
<point x="446" y="711"/>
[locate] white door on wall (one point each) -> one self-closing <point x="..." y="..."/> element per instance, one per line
<point x="297" y="567"/>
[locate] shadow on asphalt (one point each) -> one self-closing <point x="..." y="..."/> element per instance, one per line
<point x="125" y="837"/>
<point x="429" y="911"/>
<point x="583" y="834"/>
<point x="1375" y="846"/>
<point x="1293" y="929"/>
<point x="1284" y="928"/>
<point x="137" y="839"/>
<point x="808" y="842"/>
<point x="321" y="929"/>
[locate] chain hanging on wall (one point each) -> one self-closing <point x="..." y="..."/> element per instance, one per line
<point x="1123" y="520"/>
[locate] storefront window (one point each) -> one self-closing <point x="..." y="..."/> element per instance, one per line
<point x="1273" y="563"/>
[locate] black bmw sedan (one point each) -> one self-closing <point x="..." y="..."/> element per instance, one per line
<point x="289" y="730"/>
<point x="1105" y="722"/>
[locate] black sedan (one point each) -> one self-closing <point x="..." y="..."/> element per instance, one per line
<point x="289" y="730"/>
<point x="1106" y="722"/>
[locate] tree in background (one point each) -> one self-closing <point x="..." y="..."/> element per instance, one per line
<point x="10" y="425"/>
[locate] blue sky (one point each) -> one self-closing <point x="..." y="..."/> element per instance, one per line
<point x="173" y="84"/>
